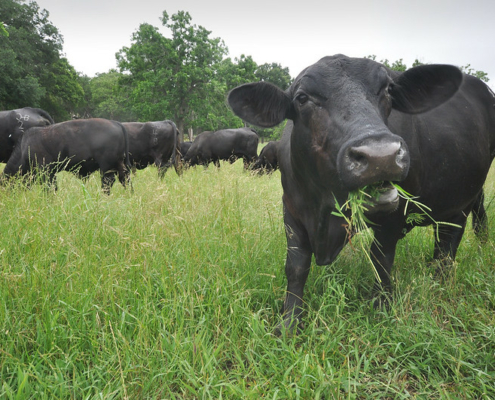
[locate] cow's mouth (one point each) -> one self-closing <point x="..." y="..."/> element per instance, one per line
<point x="382" y="197"/>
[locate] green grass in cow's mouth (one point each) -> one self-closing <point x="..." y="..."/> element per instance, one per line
<point x="362" y="200"/>
<point x="359" y="202"/>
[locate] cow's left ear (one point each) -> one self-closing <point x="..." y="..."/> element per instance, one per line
<point x="425" y="87"/>
<point x="260" y="103"/>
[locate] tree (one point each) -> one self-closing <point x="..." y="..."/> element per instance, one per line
<point x="85" y="107"/>
<point x="32" y="69"/>
<point x="108" y="98"/>
<point x="396" y="65"/>
<point x="231" y="74"/>
<point x="19" y="64"/>
<point x="64" y="93"/>
<point x="185" y="77"/>
<point x="171" y="75"/>
<point x="274" y="73"/>
<point x="478" y="74"/>
<point x="237" y="72"/>
<point x="215" y="113"/>
<point x="18" y="87"/>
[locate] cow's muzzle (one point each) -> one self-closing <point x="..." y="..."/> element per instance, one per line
<point x="373" y="159"/>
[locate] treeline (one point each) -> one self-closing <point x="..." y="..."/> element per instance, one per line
<point x="33" y="71"/>
<point x="184" y="77"/>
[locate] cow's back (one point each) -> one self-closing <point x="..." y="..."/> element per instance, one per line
<point x="247" y="142"/>
<point x="139" y="143"/>
<point x="84" y="139"/>
<point x="74" y="141"/>
<point x="241" y="142"/>
<point x="202" y="144"/>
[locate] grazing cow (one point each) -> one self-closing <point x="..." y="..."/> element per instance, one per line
<point x="82" y="146"/>
<point x="226" y="144"/>
<point x="267" y="160"/>
<point x="14" y="122"/>
<point x="184" y="148"/>
<point x="153" y="143"/>
<point x="355" y="123"/>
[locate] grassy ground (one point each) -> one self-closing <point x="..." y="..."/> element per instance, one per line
<point x="173" y="292"/>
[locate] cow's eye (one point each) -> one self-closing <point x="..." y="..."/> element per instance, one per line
<point x="302" y="98"/>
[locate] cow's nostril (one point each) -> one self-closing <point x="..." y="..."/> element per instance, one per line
<point x="357" y="159"/>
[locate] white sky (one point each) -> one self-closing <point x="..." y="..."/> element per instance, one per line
<point x="292" y="33"/>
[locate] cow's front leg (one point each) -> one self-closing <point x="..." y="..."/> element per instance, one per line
<point x="383" y="254"/>
<point x="297" y="266"/>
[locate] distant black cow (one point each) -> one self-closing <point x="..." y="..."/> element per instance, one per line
<point x="184" y="148"/>
<point x="14" y="122"/>
<point x="153" y="143"/>
<point x="267" y="160"/>
<point x="356" y="123"/>
<point x="226" y="144"/>
<point x="82" y="146"/>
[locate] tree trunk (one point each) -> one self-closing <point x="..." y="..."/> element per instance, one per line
<point x="180" y="127"/>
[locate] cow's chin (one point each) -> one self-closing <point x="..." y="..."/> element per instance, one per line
<point x="386" y="202"/>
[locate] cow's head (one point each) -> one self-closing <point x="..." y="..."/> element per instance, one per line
<point x="340" y="107"/>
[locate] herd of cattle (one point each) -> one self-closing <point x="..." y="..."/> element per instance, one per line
<point x="30" y="141"/>
<point x="352" y="124"/>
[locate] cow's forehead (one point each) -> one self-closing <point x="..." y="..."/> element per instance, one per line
<point x="336" y="72"/>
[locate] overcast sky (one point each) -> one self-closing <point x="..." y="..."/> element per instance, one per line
<point x="294" y="34"/>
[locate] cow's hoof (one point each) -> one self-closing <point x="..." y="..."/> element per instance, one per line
<point x="442" y="268"/>
<point x="288" y="328"/>
<point x="382" y="301"/>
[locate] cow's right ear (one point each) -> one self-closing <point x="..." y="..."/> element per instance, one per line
<point x="261" y="103"/>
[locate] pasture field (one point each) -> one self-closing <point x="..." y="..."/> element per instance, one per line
<point x="173" y="291"/>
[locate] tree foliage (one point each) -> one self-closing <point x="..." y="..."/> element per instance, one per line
<point x="170" y="77"/>
<point x="477" y="73"/>
<point x="109" y="99"/>
<point x="33" y="71"/>
<point x="274" y="73"/>
<point x="64" y="92"/>
<point x="186" y="76"/>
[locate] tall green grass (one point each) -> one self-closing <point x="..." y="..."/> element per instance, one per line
<point x="173" y="292"/>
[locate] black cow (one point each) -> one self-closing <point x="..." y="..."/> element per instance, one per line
<point x="82" y="146"/>
<point x="357" y="123"/>
<point x="226" y="144"/>
<point x="14" y="122"/>
<point x="184" y="148"/>
<point x="267" y="160"/>
<point x="153" y="143"/>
